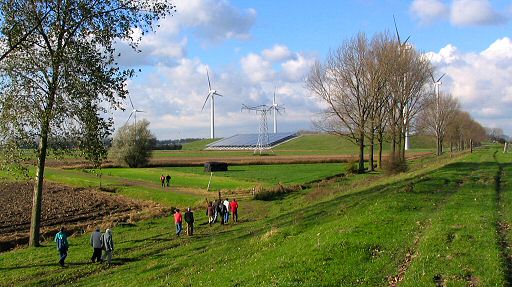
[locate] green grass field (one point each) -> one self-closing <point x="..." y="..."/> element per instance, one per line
<point x="436" y="225"/>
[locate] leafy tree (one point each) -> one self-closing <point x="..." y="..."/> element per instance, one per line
<point x="62" y="78"/>
<point x="132" y="145"/>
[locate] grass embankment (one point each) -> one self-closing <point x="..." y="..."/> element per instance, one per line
<point x="433" y="226"/>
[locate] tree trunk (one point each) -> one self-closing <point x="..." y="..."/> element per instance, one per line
<point x="379" y="159"/>
<point x="361" y="153"/>
<point x="35" y="221"/>
<point x="372" y="140"/>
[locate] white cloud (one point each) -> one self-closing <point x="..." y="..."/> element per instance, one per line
<point x="481" y="81"/>
<point x="256" y="68"/>
<point x="296" y="69"/>
<point x="214" y="20"/>
<point x="428" y="11"/>
<point x="278" y="53"/>
<point x="459" y="12"/>
<point x="475" y="12"/>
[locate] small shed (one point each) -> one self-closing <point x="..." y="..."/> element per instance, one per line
<point x="212" y="166"/>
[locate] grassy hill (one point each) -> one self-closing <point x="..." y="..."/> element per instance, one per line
<point x="444" y="223"/>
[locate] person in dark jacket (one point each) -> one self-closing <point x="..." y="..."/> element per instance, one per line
<point x="221" y="210"/>
<point x="108" y="245"/>
<point x="61" y="239"/>
<point x="215" y="206"/>
<point x="189" y="219"/>
<point x="96" y="245"/>
<point x="168" y="179"/>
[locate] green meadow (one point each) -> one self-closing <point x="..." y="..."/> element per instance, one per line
<point x="444" y="223"/>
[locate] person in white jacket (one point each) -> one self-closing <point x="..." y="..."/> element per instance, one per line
<point x="226" y="214"/>
<point x="108" y="245"/>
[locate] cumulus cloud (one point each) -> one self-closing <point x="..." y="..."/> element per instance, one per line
<point x="428" y="11"/>
<point x="459" y="12"/>
<point x="256" y="68"/>
<point x="214" y="20"/>
<point x="480" y="80"/>
<point x="277" y="53"/>
<point x="475" y="12"/>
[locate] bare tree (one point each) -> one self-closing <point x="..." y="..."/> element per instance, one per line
<point x="341" y="83"/>
<point x="407" y="84"/>
<point x="439" y="110"/>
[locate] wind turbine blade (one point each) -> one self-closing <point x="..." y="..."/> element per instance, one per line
<point x="274" y="100"/>
<point x="217" y="94"/>
<point x="405" y="42"/>
<point x="205" y="102"/>
<point x="128" y="118"/>
<point x="208" y="75"/>
<point x="440" y="77"/>
<point x="432" y="77"/>
<point x="131" y="103"/>
<point x="396" y="29"/>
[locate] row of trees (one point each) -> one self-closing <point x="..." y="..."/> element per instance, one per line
<point x="374" y="89"/>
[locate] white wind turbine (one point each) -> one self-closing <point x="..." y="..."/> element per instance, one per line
<point x="133" y="113"/>
<point x="211" y="95"/>
<point x="275" y="109"/>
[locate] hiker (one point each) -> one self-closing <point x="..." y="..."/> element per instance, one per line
<point x="62" y="245"/>
<point x="96" y="245"/>
<point x="108" y="246"/>
<point x="162" y="179"/>
<point x="210" y="212"/>
<point x="226" y="213"/>
<point x="234" y="209"/>
<point x="221" y="210"/>
<point x="178" y="219"/>
<point x="189" y="219"/>
<point x="168" y="179"/>
<point x="215" y="211"/>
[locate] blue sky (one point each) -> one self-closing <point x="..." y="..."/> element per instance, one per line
<point x="252" y="48"/>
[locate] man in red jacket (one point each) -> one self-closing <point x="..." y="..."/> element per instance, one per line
<point x="178" y="220"/>
<point x="234" y="207"/>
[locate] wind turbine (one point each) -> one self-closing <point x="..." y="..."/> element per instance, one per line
<point x="275" y="109"/>
<point x="211" y="95"/>
<point x="405" y="46"/>
<point x="133" y="113"/>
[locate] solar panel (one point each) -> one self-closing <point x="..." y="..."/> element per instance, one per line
<point x="249" y="141"/>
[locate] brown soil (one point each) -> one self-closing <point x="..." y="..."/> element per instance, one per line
<point x="76" y="208"/>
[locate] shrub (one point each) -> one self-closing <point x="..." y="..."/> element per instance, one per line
<point x="132" y="145"/>
<point x="394" y="165"/>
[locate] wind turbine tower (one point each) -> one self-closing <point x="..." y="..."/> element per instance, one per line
<point x="211" y="95"/>
<point x="403" y="46"/>
<point x="275" y="109"/>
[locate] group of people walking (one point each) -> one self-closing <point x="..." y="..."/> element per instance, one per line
<point x="98" y="241"/>
<point x="189" y="219"/>
<point x="165" y="180"/>
<point x="219" y="209"/>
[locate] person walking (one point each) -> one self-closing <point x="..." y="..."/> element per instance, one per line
<point x="178" y="220"/>
<point x="189" y="219"/>
<point x="210" y="212"/>
<point x="234" y="209"/>
<point x="226" y="214"/>
<point x="97" y="245"/>
<point x="162" y="179"/>
<point x="215" y="206"/>
<point x="108" y="246"/>
<point x="61" y="239"/>
<point x="168" y="179"/>
<point x="221" y="210"/>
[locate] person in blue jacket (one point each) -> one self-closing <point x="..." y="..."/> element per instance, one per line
<point x="62" y="245"/>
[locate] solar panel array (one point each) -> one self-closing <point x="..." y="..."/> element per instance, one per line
<point x="249" y="141"/>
